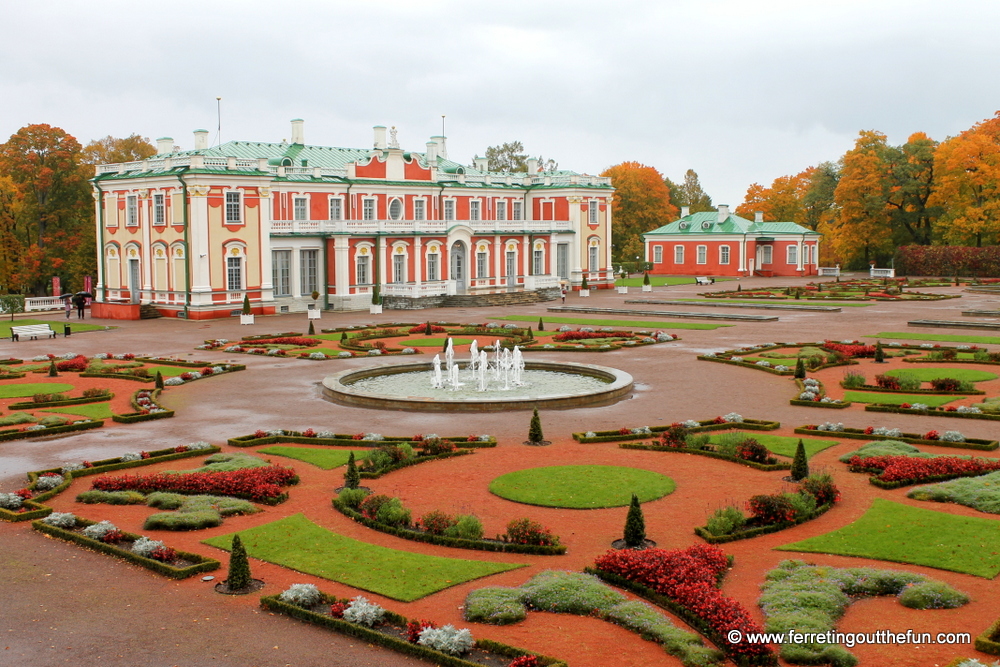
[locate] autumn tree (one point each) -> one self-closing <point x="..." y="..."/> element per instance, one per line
<point x="782" y="202"/>
<point x="510" y="157"/>
<point x="968" y="185"/>
<point x="641" y="204"/>
<point x="689" y="193"/>
<point x="111" y="150"/>
<point x="47" y="205"/>
<point x="818" y="202"/>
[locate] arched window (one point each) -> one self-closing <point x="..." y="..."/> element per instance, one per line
<point x="396" y="209"/>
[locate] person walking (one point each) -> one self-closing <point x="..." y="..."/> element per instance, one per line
<point x="69" y="308"/>
<point x="563" y="294"/>
<point x="80" y="303"/>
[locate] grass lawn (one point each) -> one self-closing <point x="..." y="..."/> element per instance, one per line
<point x="632" y="324"/>
<point x="57" y="325"/>
<point x="660" y="281"/>
<point x="439" y="342"/>
<point x="297" y="543"/>
<point x="327" y="459"/>
<point x="897" y="399"/>
<point x="22" y="390"/>
<point x="928" y="374"/>
<point x="801" y="302"/>
<point x="335" y="336"/>
<point x="90" y="410"/>
<point x="581" y="487"/>
<point x="905" y="534"/>
<point x="783" y="445"/>
<point x="941" y="338"/>
<point x="170" y="371"/>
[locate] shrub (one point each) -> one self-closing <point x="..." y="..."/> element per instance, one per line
<point x="436" y="523"/>
<point x="674" y="436"/>
<point x="414" y="628"/>
<point x="352" y="497"/>
<point x="803" y="503"/>
<point x="301" y="595"/>
<point x="111" y="497"/>
<point x="98" y="530"/>
<point x="48" y="480"/>
<point x="352" y="478"/>
<point x="535" y="428"/>
<point x="433" y="446"/>
<point x="363" y="612"/>
<point x="635" y="524"/>
<point x="447" y="639"/>
<point x="821" y="487"/>
<point x="61" y="520"/>
<point x="908" y="381"/>
<point x="495" y="605"/>
<point x="239" y="566"/>
<point x="392" y="513"/>
<point x="526" y="531"/>
<point x="95" y="392"/>
<point x="932" y="595"/>
<point x="145" y="546"/>
<point x="946" y="384"/>
<point x="467" y="527"/>
<point x="11" y="501"/>
<point x="726" y="520"/>
<point x="751" y="450"/>
<point x="887" y="382"/>
<point x="196" y="520"/>
<point x="854" y="379"/>
<point x="569" y="593"/>
<point x="769" y="509"/>
<point x="800" y="464"/>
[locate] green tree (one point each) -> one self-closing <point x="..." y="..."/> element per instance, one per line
<point x="159" y="380"/>
<point x="535" y="429"/>
<point x="510" y="156"/>
<point x="693" y="196"/>
<point x="818" y="202"/>
<point x="112" y="150"/>
<point x="800" y="464"/>
<point x="635" y="525"/>
<point x="246" y="304"/>
<point x="641" y="204"/>
<point x="879" y="352"/>
<point x="800" y="368"/>
<point x="239" y="577"/>
<point x="352" y="478"/>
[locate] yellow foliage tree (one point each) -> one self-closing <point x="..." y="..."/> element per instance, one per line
<point x="641" y="204"/>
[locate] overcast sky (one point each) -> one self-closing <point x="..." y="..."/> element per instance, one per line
<point x="741" y="91"/>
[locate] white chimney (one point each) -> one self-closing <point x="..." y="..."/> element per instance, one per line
<point x="164" y="145"/>
<point x="298" y="131"/>
<point x="432" y="152"/>
<point x="723" y="212"/>
<point x="442" y="149"/>
<point x="758" y="216"/>
<point x="379" y="137"/>
<point x="532" y="166"/>
<point x="481" y="163"/>
<point x="200" y="139"/>
<point x="685" y="211"/>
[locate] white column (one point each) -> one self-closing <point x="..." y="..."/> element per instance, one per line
<point x="578" y="244"/>
<point x="102" y="253"/>
<point x="145" y="253"/>
<point x="498" y="252"/>
<point x="266" y="208"/>
<point x="798" y="256"/>
<point x="381" y="261"/>
<point x="418" y="262"/>
<point x="201" y="285"/>
<point x="550" y="255"/>
<point x="341" y="266"/>
<point x="743" y="255"/>
<point x="527" y="251"/>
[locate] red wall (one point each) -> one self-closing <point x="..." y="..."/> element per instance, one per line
<point x="712" y="267"/>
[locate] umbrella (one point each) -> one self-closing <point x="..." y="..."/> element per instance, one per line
<point x="65" y="296"/>
<point x="87" y="295"/>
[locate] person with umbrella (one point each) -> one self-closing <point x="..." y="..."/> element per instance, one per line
<point x="69" y="304"/>
<point x="80" y="301"/>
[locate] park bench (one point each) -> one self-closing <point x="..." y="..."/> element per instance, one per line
<point x="704" y="280"/>
<point x="31" y="330"/>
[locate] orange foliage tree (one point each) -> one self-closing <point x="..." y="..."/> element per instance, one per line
<point x="641" y="204"/>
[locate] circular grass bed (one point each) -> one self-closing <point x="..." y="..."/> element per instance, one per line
<point x="581" y="487"/>
<point x="929" y="374"/>
<point x="439" y="342"/>
<point x="23" y="390"/>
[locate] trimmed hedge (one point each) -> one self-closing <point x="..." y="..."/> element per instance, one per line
<point x="134" y="417"/>
<point x="445" y="541"/>
<point x="882" y="390"/>
<point x="682" y="613"/>
<point x="11" y="375"/>
<point x="118" y="376"/>
<point x="898" y="484"/>
<point x="179" y="362"/>
<point x="714" y="455"/>
<point x="989" y="641"/>
<point x="35" y="511"/>
<point x="936" y="412"/>
<point x="199" y="563"/>
<point x="943" y="260"/>
<point x="750" y="364"/>
<point x="924" y="360"/>
<point x="711" y="538"/>
<point x="347" y="440"/>
<point x="392" y="642"/>
<point x="52" y="430"/>
<point x="911" y="438"/>
<point x="416" y="460"/>
<point x="28" y="405"/>
<point x="111" y="465"/>
<point x="820" y="404"/>
<point x="706" y="425"/>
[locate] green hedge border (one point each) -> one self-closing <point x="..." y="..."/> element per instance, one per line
<point x="748" y="364"/>
<point x="935" y="412"/>
<point x="442" y="540"/>
<point x="704" y="425"/>
<point x="51" y="430"/>
<point x="35" y="511"/>
<point x="683" y="613"/>
<point x="932" y="392"/>
<point x="273" y="603"/>
<point x="768" y="467"/>
<point x="179" y="362"/>
<point x="118" y="376"/>
<point x="924" y="360"/>
<point x="711" y="538"/>
<point x="416" y="460"/>
<point x="55" y="404"/>
<point x="346" y="440"/>
<point x="11" y="375"/>
<point x="11" y="361"/>
<point x="138" y="416"/>
<point x="820" y="404"/>
<point x="989" y="641"/>
<point x="911" y="438"/>
<point x="200" y="563"/>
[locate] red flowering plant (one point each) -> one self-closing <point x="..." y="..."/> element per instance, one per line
<point x="358" y="436"/>
<point x="309" y="433"/>
<point x="206" y="371"/>
<point x="770" y="509"/>
<point x="905" y="406"/>
<point x="414" y="628"/>
<point x="180" y="449"/>
<point x="850" y="350"/>
<point x="297" y="341"/>
<point x="914" y="470"/>
<point x="422" y="328"/>
<point x="524" y="661"/>
<point x="751" y="450"/>
<point x="932" y="435"/>
<point x="718" y="420"/>
<point x="869" y="430"/>
<point x="526" y="531"/>
<point x="887" y="382"/>
<point x="164" y="554"/>
<point x="144" y="454"/>
<point x="419" y="437"/>
<point x="257" y="484"/>
<point x="624" y="430"/>
<point x="186" y="376"/>
<point x="337" y="609"/>
<point x="585" y="335"/>
<point x="24" y="493"/>
<point x="689" y="577"/>
<point x="113" y="536"/>
<point x="77" y="364"/>
<point x="259" y="433"/>
<point x="675" y="436"/>
<point x="472" y="438"/>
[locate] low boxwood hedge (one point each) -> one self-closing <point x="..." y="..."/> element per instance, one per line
<point x="416" y="460"/>
<point x="912" y="438"/>
<point x="51" y="430"/>
<point x="445" y="541"/>
<point x="749" y="364"/>
<point x="28" y="405"/>
<point x="989" y="641"/>
<point x="392" y="642"/>
<point x="705" y="425"/>
<point x="714" y="455"/>
<point x="712" y="538"/>
<point x="11" y="361"/>
<point x="877" y="389"/>
<point x="33" y="511"/>
<point x="133" y="417"/>
<point x="937" y="412"/>
<point x="199" y="563"/>
<point x="110" y="465"/>
<point x="11" y="375"/>
<point x="820" y="404"/>
<point x="118" y="376"/>
<point x="347" y="440"/>
<point x="178" y="362"/>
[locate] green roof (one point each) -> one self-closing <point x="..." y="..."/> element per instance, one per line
<point x="707" y="222"/>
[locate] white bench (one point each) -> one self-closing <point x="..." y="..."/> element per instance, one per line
<point x="31" y="330"/>
<point x="704" y="280"/>
<point x="828" y="271"/>
<point x="882" y="273"/>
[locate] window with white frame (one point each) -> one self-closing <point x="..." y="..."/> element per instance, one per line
<point x="131" y="211"/>
<point x="593" y="263"/>
<point x="793" y="254"/>
<point x="592" y="210"/>
<point x="361" y="273"/>
<point x="399" y="267"/>
<point x="396" y="209"/>
<point x="419" y="209"/>
<point x="336" y="208"/>
<point x="159" y="210"/>
<point x="300" y="208"/>
<point x="309" y="271"/>
<point x="234" y="274"/>
<point x="516" y="212"/>
<point x="433" y="259"/>
<point x="368" y="208"/>
<point x="501" y="210"/>
<point x="281" y="272"/>
<point x="482" y="264"/>
<point x="538" y="262"/>
<point x="702" y="254"/>
<point x="449" y="209"/>
<point x="766" y="254"/>
<point x="723" y="254"/>
<point x="474" y="213"/>
<point x="806" y="254"/>
<point x="678" y="254"/>
<point x="234" y="209"/>
<point x="657" y="254"/>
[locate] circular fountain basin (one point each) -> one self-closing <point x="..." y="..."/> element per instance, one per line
<point x="602" y="386"/>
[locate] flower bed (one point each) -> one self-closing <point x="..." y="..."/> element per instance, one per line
<point x="897" y="471"/>
<point x="912" y="438"/>
<point x="710" y="454"/>
<point x="416" y="460"/>
<point x="711" y="538"/>
<point x="646" y="432"/>
<point x="20" y="434"/>
<point x="394" y="636"/>
<point x="184" y="565"/>
<point x="685" y="581"/>
<point x="811" y="387"/>
<point x="443" y="540"/>
<point x="262" y="485"/>
<point x="934" y="411"/>
<point x="146" y="408"/>
<point x="29" y="405"/>
<point x="347" y="439"/>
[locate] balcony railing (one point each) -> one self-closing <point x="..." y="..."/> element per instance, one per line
<point x="417" y="226"/>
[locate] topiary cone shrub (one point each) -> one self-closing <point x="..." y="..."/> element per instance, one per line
<point x="352" y="478"/>
<point x="159" y="380"/>
<point x="312" y="329"/>
<point x="800" y="464"/>
<point x="583" y="284"/>
<point x="246" y="304"/>
<point x="52" y="369"/>
<point x="879" y="353"/>
<point x="635" y="525"/>
<point x="800" y="369"/>
<point x="535" y="429"/>
<point x="645" y="278"/>
<point x="427" y="329"/>
<point x="541" y="325"/>
<point x="531" y="334"/>
<point x="239" y="567"/>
